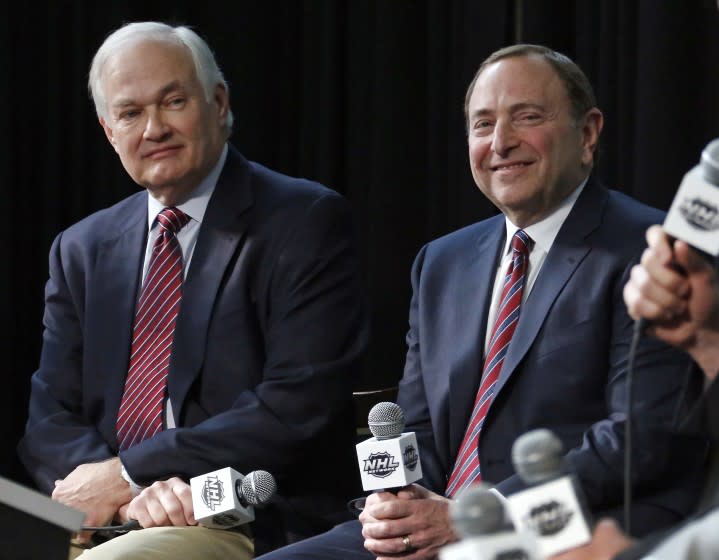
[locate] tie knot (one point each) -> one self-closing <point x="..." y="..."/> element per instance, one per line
<point x="521" y="242"/>
<point x="172" y="219"/>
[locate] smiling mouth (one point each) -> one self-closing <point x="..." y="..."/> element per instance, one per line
<point x="508" y="166"/>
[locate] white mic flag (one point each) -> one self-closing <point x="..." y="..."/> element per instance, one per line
<point x="390" y="459"/>
<point x="225" y="498"/>
<point x="694" y="214"/>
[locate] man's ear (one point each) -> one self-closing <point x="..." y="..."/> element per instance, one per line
<point x="591" y="128"/>
<point x="108" y="132"/>
<point x="223" y="103"/>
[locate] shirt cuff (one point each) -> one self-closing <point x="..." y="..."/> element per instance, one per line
<point x="134" y="488"/>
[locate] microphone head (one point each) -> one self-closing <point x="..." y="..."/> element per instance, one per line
<point x="477" y="511"/>
<point x="537" y="456"/>
<point x="386" y="420"/>
<point x="710" y="162"/>
<point x="257" y="488"/>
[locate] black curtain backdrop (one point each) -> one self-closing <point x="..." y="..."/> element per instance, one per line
<point x="364" y="96"/>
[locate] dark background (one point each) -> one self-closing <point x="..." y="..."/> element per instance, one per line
<point x="364" y="96"/>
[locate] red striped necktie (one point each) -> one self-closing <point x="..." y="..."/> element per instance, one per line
<point x="140" y="414"/>
<point x="466" y="468"/>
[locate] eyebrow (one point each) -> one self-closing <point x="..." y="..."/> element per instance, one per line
<point x="167" y="88"/>
<point x="512" y="109"/>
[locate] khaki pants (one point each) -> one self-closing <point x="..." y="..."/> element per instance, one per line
<point x="171" y="543"/>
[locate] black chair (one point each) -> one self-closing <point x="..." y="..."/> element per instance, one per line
<point x="363" y="403"/>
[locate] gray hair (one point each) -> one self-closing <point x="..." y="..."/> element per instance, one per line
<point x="206" y="68"/>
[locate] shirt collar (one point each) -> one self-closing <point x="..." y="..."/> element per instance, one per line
<point x="545" y="231"/>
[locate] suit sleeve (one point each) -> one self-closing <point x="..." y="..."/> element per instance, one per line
<point x="58" y="434"/>
<point x="663" y="383"/>
<point x="314" y="336"/>
<point x="412" y="396"/>
<point x="662" y="459"/>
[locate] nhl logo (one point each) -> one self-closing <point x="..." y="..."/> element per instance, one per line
<point x="515" y="554"/>
<point x="700" y="214"/>
<point x="411" y="457"/>
<point x="213" y="492"/>
<point x="380" y="465"/>
<point x="548" y="519"/>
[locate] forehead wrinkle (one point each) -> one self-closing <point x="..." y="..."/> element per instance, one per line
<point x="163" y="91"/>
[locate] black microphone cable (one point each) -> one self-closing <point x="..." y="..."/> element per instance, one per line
<point x="130" y="525"/>
<point x="640" y="326"/>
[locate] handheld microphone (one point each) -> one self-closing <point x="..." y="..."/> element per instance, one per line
<point x="694" y="214"/>
<point x="553" y="507"/>
<point x="479" y="519"/>
<point x="224" y="498"/>
<point x="390" y="459"/>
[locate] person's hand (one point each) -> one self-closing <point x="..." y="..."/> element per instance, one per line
<point x="165" y="502"/>
<point x="608" y="540"/>
<point x="415" y="523"/>
<point x="677" y="290"/>
<point x="97" y="489"/>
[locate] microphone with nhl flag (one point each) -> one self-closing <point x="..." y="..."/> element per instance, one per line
<point x="225" y="498"/>
<point x="390" y="459"/>
<point x="221" y="499"/>
<point x="693" y="216"/>
<point x="479" y="519"/>
<point x="553" y="507"/>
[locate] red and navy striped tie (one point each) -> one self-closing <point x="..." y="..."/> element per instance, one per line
<point x="140" y="414"/>
<point x="466" y="468"/>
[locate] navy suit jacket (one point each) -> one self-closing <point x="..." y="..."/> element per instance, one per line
<point x="565" y="370"/>
<point x="268" y="340"/>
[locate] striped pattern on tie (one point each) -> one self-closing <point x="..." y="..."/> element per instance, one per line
<point x="466" y="468"/>
<point x="140" y="414"/>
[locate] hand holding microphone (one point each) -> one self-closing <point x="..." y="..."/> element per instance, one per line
<point x="414" y="520"/>
<point x="674" y="287"/>
<point x="693" y="219"/>
<point x="220" y="500"/>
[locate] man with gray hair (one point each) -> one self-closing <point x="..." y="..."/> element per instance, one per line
<point x="215" y="320"/>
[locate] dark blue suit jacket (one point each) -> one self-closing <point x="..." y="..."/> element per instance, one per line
<point x="268" y="340"/>
<point x="566" y="368"/>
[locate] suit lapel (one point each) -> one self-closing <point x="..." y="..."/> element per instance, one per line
<point x="568" y="250"/>
<point x="223" y="226"/>
<point x="118" y="259"/>
<point x="468" y="352"/>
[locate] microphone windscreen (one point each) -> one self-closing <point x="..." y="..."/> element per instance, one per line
<point x="258" y="487"/>
<point x="386" y="420"/>
<point x="477" y="511"/>
<point x="537" y="456"/>
<point x="710" y="162"/>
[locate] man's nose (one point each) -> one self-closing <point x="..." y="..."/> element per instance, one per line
<point x="505" y="137"/>
<point x="156" y="127"/>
